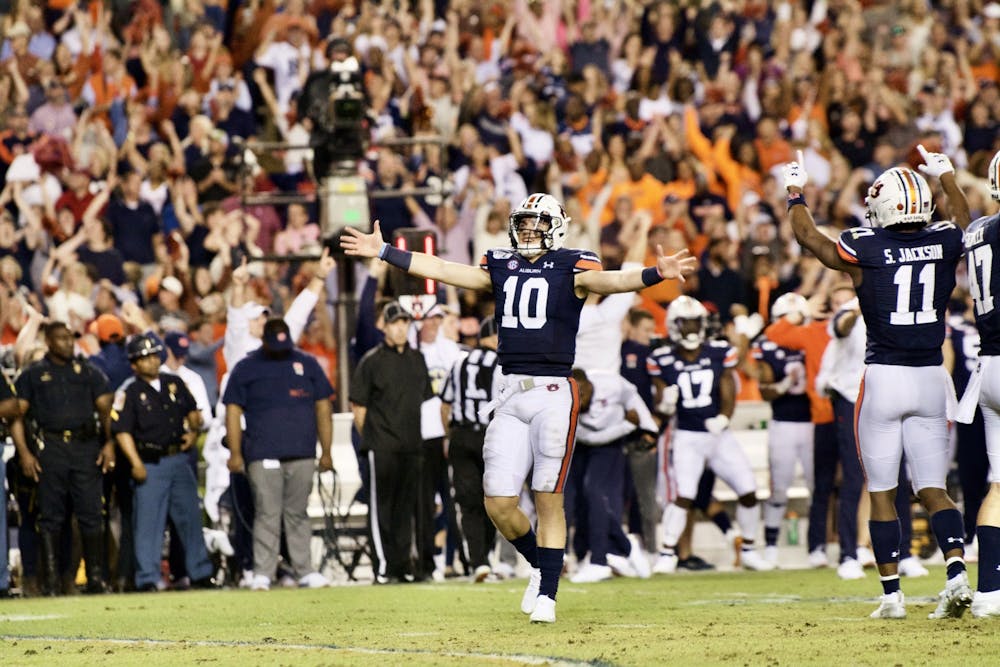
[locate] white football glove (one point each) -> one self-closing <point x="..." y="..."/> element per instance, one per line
<point x="716" y="425"/>
<point x="668" y="401"/>
<point x="748" y="325"/>
<point x="783" y="386"/>
<point x="795" y="173"/>
<point x="935" y="164"/>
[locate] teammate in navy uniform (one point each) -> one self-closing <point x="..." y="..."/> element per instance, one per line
<point x="782" y="377"/>
<point x="695" y="380"/>
<point x="903" y="270"/>
<point x="540" y="288"/>
<point x="982" y="247"/>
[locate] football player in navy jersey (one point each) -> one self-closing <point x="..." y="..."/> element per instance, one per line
<point x="695" y="380"/>
<point x="539" y="288"/>
<point x="982" y="247"/>
<point x="782" y="378"/>
<point x="903" y="269"/>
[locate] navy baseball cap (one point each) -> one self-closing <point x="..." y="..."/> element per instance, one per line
<point x="178" y="343"/>
<point x="394" y="311"/>
<point x="277" y="337"/>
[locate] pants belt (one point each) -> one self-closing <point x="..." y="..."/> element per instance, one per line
<point x="67" y="435"/>
<point x="151" y="453"/>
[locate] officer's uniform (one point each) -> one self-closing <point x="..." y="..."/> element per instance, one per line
<point x="62" y="400"/>
<point x="6" y="394"/>
<point x="154" y="417"/>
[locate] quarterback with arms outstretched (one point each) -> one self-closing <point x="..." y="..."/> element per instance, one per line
<point x="903" y="270"/>
<point x="539" y="288"/>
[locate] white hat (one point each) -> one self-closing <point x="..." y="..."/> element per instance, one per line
<point x="992" y="10"/>
<point x="172" y="285"/>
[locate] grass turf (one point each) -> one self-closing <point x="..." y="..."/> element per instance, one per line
<point x="777" y="618"/>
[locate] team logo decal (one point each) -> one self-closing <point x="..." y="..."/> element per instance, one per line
<point x="631" y="361"/>
<point x="298" y="368"/>
<point x="552" y="387"/>
<point x="512" y="264"/>
<point x="548" y="265"/>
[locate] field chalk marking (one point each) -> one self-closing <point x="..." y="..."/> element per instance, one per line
<point x="524" y="659"/>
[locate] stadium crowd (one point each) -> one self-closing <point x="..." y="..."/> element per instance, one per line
<point x="133" y="195"/>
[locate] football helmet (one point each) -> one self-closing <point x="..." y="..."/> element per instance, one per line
<point x="143" y="345"/>
<point x="541" y="213"/>
<point x="994" y="177"/>
<point x="789" y="303"/>
<point x="899" y="196"/>
<point x="685" y="309"/>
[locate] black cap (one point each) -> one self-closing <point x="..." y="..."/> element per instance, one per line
<point x="394" y="311"/>
<point x="143" y="345"/>
<point x="277" y="337"/>
<point x="488" y="327"/>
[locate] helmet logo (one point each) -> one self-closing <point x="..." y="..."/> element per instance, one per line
<point x="875" y="189"/>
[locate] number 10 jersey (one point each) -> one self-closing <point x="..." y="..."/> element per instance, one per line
<point x="537" y="309"/>
<point x="907" y="279"/>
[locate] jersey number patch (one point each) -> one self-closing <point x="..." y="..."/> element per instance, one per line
<point x="903" y="279"/>
<point x="531" y="297"/>
<point x="979" y="282"/>
<point x="689" y="381"/>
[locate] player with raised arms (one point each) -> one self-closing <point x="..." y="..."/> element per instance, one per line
<point x="539" y="287"/>
<point x="903" y="270"/>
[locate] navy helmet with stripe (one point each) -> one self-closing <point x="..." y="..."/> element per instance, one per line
<point x="899" y="196"/>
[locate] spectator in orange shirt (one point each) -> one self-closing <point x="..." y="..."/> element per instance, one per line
<point x="772" y="149"/>
<point x="644" y="190"/>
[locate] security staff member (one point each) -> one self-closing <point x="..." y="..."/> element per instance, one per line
<point x="472" y="384"/>
<point x="61" y="393"/>
<point x="389" y="385"/>
<point x="285" y="397"/>
<point x="156" y="420"/>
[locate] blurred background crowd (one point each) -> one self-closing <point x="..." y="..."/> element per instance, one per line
<point x="132" y="186"/>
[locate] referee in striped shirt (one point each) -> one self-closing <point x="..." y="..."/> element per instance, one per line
<point x="472" y="384"/>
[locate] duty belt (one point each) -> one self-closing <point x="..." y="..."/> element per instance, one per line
<point x="67" y="435"/>
<point x="152" y="453"/>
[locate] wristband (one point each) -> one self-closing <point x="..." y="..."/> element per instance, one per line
<point x="796" y="199"/>
<point x="651" y="276"/>
<point x="395" y="256"/>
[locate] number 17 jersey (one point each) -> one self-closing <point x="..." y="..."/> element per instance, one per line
<point x="907" y="279"/>
<point x="537" y="309"/>
<point x="982" y="247"/>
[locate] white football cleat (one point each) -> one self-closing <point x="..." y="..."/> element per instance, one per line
<point x="850" y="569"/>
<point x="752" y="560"/>
<point x="638" y="560"/>
<point x="891" y="605"/>
<point x="314" y="580"/>
<point x="985" y="605"/>
<point x="866" y="557"/>
<point x="260" y="583"/>
<point x="591" y="573"/>
<point x="954" y="599"/>
<point x="665" y="564"/>
<point x="545" y="610"/>
<point x="530" y="596"/>
<point x="817" y="558"/>
<point x="771" y="555"/>
<point x="482" y="573"/>
<point x="912" y="567"/>
<point x="620" y="565"/>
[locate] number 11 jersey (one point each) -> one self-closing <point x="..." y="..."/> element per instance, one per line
<point x="537" y="309"/>
<point x="907" y="279"/>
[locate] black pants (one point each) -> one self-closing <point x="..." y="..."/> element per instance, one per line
<point x="465" y="452"/>
<point x="433" y="468"/>
<point x="70" y="478"/>
<point x="395" y="486"/>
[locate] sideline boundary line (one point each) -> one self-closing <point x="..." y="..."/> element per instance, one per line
<point x="333" y="648"/>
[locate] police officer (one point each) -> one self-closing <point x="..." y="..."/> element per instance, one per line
<point x="156" y="421"/>
<point x="472" y="384"/>
<point x="60" y="394"/>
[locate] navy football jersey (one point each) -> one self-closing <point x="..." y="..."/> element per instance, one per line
<point x="698" y="380"/>
<point x="965" y="343"/>
<point x="537" y="309"/>
<point x="793" y="405"/>
<point x="981" y="238"/>
<point x="634" y="356"/>
<point x="907" y="278"/>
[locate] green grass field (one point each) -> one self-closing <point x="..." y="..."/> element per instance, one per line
<point x="780" y="618"/>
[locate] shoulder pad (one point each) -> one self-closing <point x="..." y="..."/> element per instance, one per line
<point x="499" y="253"/>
